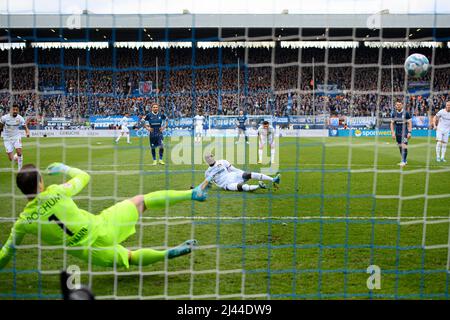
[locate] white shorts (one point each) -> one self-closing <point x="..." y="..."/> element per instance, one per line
<point x="10" y="145"/>
<point x="263" y="141"/>
<point x="442" y="135"/>
<point x="234" y="177"/>
<point x="198" y="130"/>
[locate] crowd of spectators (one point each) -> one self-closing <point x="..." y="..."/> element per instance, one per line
<point x="78" y="83"/>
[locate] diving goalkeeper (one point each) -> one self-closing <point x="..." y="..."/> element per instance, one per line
<point x="52" y="214"/>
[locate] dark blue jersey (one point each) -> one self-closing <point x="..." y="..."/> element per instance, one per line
<point x="155" y="121"/>
<point x="400" y="122"/>
<point x="241" y="121"/>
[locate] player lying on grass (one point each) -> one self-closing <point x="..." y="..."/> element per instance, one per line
<point x="227" y="177"/>
<point x="52" y="214"/>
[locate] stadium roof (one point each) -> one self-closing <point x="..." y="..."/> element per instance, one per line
<point x="85" y="26"/>
<point x="382" y="19"/>
<point x="145" y="7"/>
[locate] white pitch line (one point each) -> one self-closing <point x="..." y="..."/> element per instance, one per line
<point x="292" y="218"/>
<point x="444" y="218"/>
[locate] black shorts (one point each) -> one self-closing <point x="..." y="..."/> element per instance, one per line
<point x="401" y="139"/>
<point x="156" y="141"/>
<point x="241" y="128"/>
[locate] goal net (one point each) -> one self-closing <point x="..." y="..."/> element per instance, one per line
<point x="346" y="220"/>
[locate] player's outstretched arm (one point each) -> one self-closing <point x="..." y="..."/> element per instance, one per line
<point x="7" y="251"/>
<point x="79" y="178"/>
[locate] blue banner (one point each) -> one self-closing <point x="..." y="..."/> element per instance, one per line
<point x="420" y="122"/>
<point x="218" y="122"/>
<point x="181" y="123"/>
<point x="105" y="122"/>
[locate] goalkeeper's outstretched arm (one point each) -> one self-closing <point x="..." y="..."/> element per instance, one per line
<point x="79" y="178"/>
<point x="7" y="251"/>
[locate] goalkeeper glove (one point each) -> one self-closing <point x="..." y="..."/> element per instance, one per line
<point x="57" y="168"/>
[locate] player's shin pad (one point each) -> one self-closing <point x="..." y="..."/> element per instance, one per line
<point x="160" y="199"/>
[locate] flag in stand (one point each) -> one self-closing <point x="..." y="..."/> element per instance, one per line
<point x="145" y="87"/>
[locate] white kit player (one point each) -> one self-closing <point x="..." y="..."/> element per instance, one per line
<point x="266" y="135"/>
<point x="124" y="131"/>
<point x="199" y="119"/>
<point x="229" y="178"/>
<point x="10" y="125"/>
<point x="442" y="131"/>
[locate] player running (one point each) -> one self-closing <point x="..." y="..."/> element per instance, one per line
<point x="442" y="131"/>
<point x="198" y="127"/>
<point x="52" y="215"/>
<point x="241" y="122"/>
<point x="266" y="134"/>
<point x="229" y="178"/>
<point x="10" y="124"/>
<point x="401" y="127"/>
<point x="124" y="131"/>
<point x="155" y="124"/>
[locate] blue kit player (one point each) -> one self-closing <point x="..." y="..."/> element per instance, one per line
<point x="241" y="121"/>
<point x="155" y="123"/>
<point x="401" y="127"/>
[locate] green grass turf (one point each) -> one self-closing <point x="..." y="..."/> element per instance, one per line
<point x="251" y="244"/>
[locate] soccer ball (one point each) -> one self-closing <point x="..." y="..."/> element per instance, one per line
<point x="417" y="65"/>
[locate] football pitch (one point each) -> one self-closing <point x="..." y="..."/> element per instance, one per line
<point x="343" y="205"/>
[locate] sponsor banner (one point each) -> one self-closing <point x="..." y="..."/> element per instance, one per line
<point x="178" y="133"/>
<point x="280" y="133"/>
<point x="181" y="122"/>
<point x="58" y="122"/>
<point x="167" y="133"/>
<point x="71" y="133"/>
<point x="310" y="120"/>
<point x="360" y="121"/>
<point x="310" y="133"/>
<point x="280" y="121"/>
<point x="229" y="122"/>
<point x="105" y="122"/>
<point x="222" y="122"/>
<point x="373" y="133"/>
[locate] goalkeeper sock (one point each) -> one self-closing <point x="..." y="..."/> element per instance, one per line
<point x="260" y="176"/>
<point x="159" y="199"/>
<point x="20" y="161"/>
<point x="154" y="153"/>
<point x="145" y="257"/>
<point x="438" y="150"/>
<point x="443" y="150"/>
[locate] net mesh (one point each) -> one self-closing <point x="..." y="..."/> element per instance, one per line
<point x="343" y="204"/>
